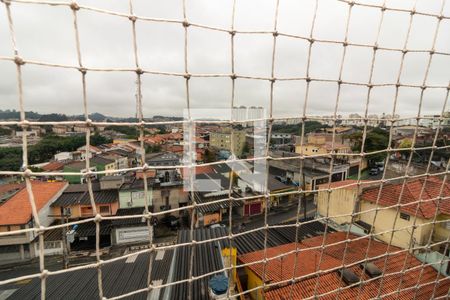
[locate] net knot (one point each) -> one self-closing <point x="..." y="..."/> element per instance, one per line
<point x="27" y="172"/>
<point x="233" y="76"/>
<point x="132" y="18"/>
<point x="187" y="76"/>
<point x="139" y="71"/>
<point x="186" y="24"/>
<point x="98" y="218"/>
<point x="82" y="70"/>
<point x="18" y="60"/>
<point x="275" y="33"/>
<point x="74" y="6"/>
<point x="44" y="274"/>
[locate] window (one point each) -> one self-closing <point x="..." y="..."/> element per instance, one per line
<point x="405" y="216"/>
<point x="446" y="225"/>
<point x="52" y="245"/>
<point x="164" y="207"/>
<point x="67" y="211"/>
<point x="104" y="209"/>
<point x="87" y="210"/>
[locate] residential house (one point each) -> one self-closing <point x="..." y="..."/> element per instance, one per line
<point x="212" y="195"/>
<point x="111" y="182"/>
<point x="320" y="273"/>
<point x="162" y="159"/>
<point x="130" y="230"/>
<point x="416" y="208"/>
<point x="16" y="214"/>
<point x="413" y="209"/>
<point x="78" y="167"/>
<point x="96" y="163"/>
<point x="121" y="162"/>
<point x="161" y="195"/>
<point x="93" y="150"/>
<point x="280" y="193"/>
<point x="322" y="144"/>
<point x="132" y="193"/>
<point x="75" y="202"/>
<point x="312" y="172"/>
<point x="63" y="156"/>
<point x="281" y="138"/>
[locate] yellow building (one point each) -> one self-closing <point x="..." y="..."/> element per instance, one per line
<point x="322" y="144"/>
<point x="311" y="267"/>
<point x="341" y="202"/>
<point x="222" y="140"/>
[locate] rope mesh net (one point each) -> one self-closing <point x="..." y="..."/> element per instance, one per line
<point x="273" y="79"/>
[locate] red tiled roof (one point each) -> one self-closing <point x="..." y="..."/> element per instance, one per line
<point x="17" y="210"/>
<point x="390" y="195"/>
<point x="150" y="174"/>
<point x="4" y="188"/>
<point x="329" y="280"/>
<point x="198" y="170"/>
<point x="53" y="166"/>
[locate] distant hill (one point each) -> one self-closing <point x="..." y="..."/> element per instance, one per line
<point x="9" y="114"/>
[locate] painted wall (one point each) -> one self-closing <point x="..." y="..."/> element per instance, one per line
<point x="134" y="198"/>
<point x="83" y="211"/>
<point x="442" y="230"/>
<point x="130" y="234"/>
<point x="176" y="196"/>
<point x="385" y="221"/>
<point x="340" y="202"/>
<point x="254" y="281"/>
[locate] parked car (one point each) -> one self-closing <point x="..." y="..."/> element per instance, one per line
<point x="170" y="221"/>
<point x="374" y="171"/>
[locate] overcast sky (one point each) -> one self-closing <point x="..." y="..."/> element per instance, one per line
<point x="46" y="33"/>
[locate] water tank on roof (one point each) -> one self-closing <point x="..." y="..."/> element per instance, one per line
<point x="218" y="285"/>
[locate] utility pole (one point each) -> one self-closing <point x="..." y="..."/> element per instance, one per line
<point x="65" y="244"/>
<point x="64" y="241"/>
<point x="303" y="195"/>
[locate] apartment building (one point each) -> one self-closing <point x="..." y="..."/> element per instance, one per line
<point x="224" y="138"/>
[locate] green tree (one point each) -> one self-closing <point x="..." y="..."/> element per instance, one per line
<point x="376" y="139"/>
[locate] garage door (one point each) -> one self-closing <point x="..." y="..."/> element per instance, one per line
<point x="255" y="208"/>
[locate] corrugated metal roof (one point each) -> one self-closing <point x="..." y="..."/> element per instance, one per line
<point x="203" y="198"/>
<point x="100" y="197"/>
<point x="118" y="278"/>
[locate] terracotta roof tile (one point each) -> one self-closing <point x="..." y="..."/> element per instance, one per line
<point x="53" y="166"/>
<point x="390" y="195"/>
<point x="17" y="210"/>
<point x="329" y="281"/>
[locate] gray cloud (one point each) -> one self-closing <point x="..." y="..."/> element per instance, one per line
<point x="46" y="33"/>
